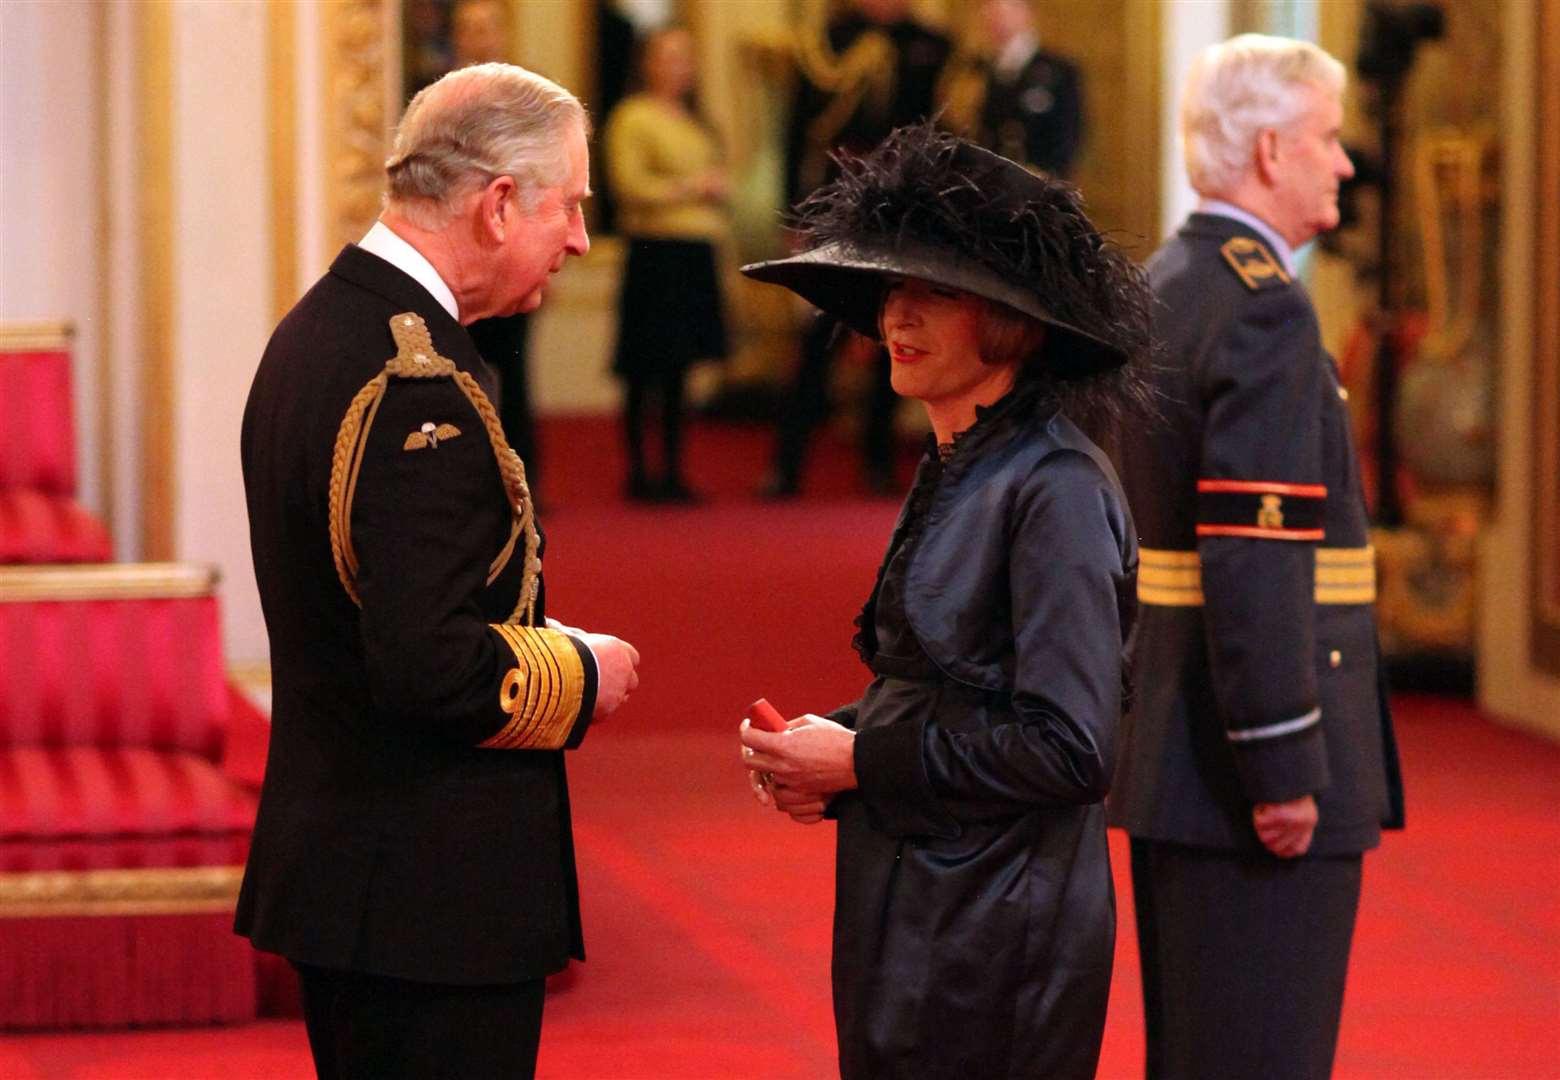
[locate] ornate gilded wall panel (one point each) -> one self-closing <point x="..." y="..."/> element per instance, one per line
<point x="361" y="46"/>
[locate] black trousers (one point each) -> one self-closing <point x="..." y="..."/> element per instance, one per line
<point x="371" y="1027"/>
<point x="1244" y="959"/>
<point x="664" y="388"/>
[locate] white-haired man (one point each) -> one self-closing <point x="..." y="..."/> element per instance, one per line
<point x="412" y="855"/>
<point x="1258" y="761"/>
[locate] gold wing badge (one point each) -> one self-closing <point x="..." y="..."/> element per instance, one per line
<point x="430" y="435"/>
<point x="1254" y="263"/>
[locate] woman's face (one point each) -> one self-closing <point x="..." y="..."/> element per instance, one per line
<point x="933" y="338"/>
<point x="669" y="63"/>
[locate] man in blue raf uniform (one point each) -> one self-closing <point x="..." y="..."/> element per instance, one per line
<point x="1258" y="762"/>
<point x="412" y="854"/>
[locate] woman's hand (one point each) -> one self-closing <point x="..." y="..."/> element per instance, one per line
<point x="806" y="765"/>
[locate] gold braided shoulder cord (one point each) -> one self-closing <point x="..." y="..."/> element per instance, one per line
<point x="416" y="358"/>
<point x="865" y="71"/>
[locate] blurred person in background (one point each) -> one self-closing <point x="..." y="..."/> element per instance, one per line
<point x="479" y="31"/>
<point x="876" y="69"/>
<point x="665" y="171"/>
<point x="1032" y="110"/>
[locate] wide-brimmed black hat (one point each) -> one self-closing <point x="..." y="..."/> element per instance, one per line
<point x="925" y="204"/>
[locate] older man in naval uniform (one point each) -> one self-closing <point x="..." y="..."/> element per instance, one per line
<point x="412" y="855"/>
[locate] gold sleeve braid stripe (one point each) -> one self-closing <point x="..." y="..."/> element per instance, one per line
<point x="1174" y="578"/>
<point x="542" y="694"/>
<point x="416" y="358"/>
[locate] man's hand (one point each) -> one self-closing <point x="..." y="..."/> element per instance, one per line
<point x="807" y="764"/>
<point x="1285" y="828"/>
<point x="617" y="671"/>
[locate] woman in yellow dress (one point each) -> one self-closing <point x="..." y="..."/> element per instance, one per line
<point x="663" y="164"/>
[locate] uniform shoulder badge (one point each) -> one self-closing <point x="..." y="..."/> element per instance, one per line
<point x="415" y="356"/>
<point x="1253" y="263"/>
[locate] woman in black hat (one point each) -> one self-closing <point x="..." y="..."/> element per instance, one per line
<point x="974" y="914"/>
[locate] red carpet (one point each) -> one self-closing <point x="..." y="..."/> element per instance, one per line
<point x="707" y="920"/>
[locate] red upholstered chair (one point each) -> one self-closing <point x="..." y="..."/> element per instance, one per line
<point x="123" y="830"/>
<point x="40" y="519"/>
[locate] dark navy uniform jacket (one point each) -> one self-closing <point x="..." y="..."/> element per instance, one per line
<point x="1036" y="116"/>
<point x="414" y="819"/>
<point x="1256" y="666"/>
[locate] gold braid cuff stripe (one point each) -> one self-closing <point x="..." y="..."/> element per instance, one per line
<point x="159" y="891"/>
<point x="416" y="358"/>
<point x="1174" y="578"/>
<point x="543" y="693"/>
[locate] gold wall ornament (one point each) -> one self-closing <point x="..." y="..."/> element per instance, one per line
<point x="361" y="86"/>
<point x="282" y="119"/>
<point x="157" y="255"/>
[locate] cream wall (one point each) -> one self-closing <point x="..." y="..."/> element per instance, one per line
<point x="50" y="170"/>
<point x="1189" y="27"/>
<point x="74" y="79"/>
<point x="221" y="289"/>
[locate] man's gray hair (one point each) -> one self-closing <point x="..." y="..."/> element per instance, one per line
<point x="1237" y="88"/>
<point x="474" y="124"/>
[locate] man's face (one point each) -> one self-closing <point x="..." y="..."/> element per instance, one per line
<point x="1004" y="20"/>
<point x="552" y="229"/>
<point x="1311" y="164"/>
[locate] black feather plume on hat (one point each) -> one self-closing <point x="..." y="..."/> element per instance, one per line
<point x="924" y="185"/>
<point x="922" y="188"/>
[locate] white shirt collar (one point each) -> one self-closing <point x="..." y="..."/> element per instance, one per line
<point x="1285" y="253"/>
<point x="1012" y="57"/>
<point x="383" y="241"/>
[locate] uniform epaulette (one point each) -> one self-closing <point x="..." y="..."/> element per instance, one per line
<point x="416" y="358"/>
<point x="1253" y="263"/>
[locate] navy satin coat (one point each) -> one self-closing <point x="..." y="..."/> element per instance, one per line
<point x="974" y="913"/>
